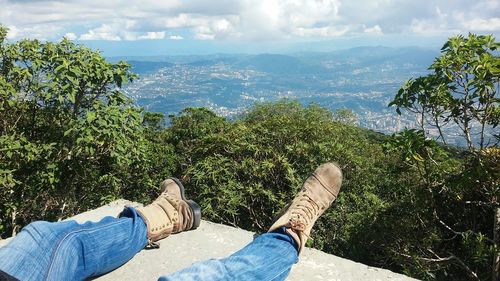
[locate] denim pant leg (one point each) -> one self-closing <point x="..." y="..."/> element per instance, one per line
<point x="71" y="251"/>
<point x="269" y="257"/>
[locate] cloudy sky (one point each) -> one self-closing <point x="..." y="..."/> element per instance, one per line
<point x="210" y="23"/>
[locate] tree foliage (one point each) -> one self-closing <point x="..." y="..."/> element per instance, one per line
<point x="69" y="139"/>
<point x="462" y="89"/>
<point x="459" y="200"/>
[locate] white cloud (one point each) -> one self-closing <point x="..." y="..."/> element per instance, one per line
<point x="13" y="32"/>
<point x="153" y="35"/>
<point x="277" y="19"/>
<point x="373" y="30"/>
<point x="327" y="31"/>
<point x="492" y="24"/>
<point x="215" y="28"/>
<point x="175" y="37"/>
<point x="204" y="36"/>
<point x="104" y="32"/>
<point x="42" y="32"/>
<point x="71" y="36"/>
<point x="244" y="19"/>
<point x="120" y="30"/>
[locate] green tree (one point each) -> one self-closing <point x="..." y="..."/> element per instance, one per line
<point x="462" y="89"/>
<point x="69" y="139"/>
<point x="461" y="203"/>
<point x="346" y="116"/>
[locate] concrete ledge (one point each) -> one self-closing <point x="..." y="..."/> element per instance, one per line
<point x="212" y="240"/>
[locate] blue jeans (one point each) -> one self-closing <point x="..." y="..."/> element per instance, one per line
<point x="71" y="251"/>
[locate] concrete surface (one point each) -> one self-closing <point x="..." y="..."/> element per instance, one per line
<point x="212" y="240"/>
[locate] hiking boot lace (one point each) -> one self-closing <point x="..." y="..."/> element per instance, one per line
<point x="303" y="212"/>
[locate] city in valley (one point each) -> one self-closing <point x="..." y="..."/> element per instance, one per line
<point x="363" y="79"/>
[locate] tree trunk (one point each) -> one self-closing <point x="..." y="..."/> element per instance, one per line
<point x="496" y="237"/>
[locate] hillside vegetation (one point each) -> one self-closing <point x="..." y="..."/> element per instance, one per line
<point x="71" y="141"/>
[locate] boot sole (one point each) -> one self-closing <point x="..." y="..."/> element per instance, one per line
<point x="193" y="205"/>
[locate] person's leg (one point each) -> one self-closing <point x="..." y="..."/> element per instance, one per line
<point x="269" y="257"/>
<point x="71" y="251"/>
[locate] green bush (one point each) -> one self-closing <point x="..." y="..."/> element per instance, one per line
<point x="243" y="172"/>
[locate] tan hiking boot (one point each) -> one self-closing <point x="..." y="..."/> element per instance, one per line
<point x="170" y="213"/>
<point x="317" y="194"/>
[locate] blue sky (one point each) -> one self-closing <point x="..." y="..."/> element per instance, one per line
<point x="147" y="27"/>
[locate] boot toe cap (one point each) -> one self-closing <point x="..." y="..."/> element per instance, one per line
<point x="330" y="175"/>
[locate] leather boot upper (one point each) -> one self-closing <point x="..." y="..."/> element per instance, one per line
<point x="316" y="195"/>
<point x="184" y="211"/>
<point x="168" y="214"/>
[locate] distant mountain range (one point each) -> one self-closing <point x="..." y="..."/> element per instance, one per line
<point x="305" y="62"/>
<point x="147" y="67"/>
